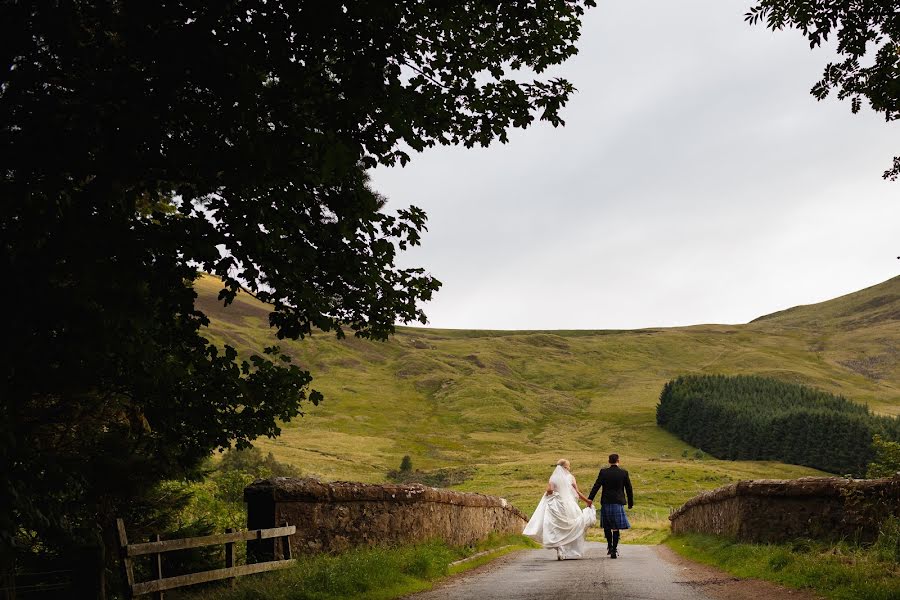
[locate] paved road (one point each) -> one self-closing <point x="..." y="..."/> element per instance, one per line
<point x="639" y="574"/>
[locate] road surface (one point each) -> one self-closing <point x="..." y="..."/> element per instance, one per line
<point x="640" y="573"/>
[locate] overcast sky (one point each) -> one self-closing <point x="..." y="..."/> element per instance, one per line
<point x="696" y="181"/>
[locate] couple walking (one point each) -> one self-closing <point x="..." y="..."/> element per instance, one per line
<point x="559" y="523"/>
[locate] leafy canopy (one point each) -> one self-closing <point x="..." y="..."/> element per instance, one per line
<point x="868" y="36"/>
<point x="886" y="462"/>
<point x="142" y="141"/>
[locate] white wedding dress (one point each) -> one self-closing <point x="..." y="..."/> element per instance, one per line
<point x="557" y="521"/>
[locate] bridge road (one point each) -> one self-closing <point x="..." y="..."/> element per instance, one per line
<point x="641" y="573"/>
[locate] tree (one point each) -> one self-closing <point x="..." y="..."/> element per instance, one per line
<point x="757" y="418"/>
<point x="406" y="464"/>
<point x="867" y="31"/>
<point x="142" y="142"/>
<point x="886" y="462"/>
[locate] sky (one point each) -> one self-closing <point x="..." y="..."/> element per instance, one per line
<point x="696" y="181"/>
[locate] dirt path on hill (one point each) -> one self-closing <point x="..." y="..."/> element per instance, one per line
<point x="640" y="573"/>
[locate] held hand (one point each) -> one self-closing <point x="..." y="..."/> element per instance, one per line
<point x="590" y="503"/>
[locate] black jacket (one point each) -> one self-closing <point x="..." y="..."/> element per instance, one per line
<point x="615" y="484"/>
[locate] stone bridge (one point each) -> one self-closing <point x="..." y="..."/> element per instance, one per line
<point x="773" y="510"/>
<point x="335" y="516"/>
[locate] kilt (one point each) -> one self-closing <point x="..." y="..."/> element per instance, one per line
<point x="612" y="516"/>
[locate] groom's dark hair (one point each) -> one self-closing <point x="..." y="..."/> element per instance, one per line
<point x="613" y="459"/>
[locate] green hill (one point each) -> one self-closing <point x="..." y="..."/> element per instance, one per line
<point x="510" y="403"/>
<point x="865" y="308"/>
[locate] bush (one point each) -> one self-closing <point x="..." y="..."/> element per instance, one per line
<point x="406" y="464"/>
<point x="217" y="502"/>
<point x="886" y="462"/>
<point x="230" y="485"/>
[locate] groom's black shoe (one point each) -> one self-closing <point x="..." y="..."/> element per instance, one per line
<point x="613" y="553"/>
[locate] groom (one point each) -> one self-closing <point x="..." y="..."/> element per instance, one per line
<point x="616" y="484"/>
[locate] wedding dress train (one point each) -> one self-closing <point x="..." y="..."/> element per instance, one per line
<point x="557" y="521"/>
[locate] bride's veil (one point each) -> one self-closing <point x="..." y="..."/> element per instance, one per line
<point x="561" y="481"/>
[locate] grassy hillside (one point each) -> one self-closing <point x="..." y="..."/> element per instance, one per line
<point x="510" y="403"/>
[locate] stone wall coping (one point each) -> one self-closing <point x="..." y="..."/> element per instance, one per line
<point x="785" y="488"/>
<point x="288" y="489"/>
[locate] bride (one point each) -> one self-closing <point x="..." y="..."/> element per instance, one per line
<point x="557" y="521"/>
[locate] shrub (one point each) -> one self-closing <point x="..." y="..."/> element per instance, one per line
<point x="887" y="458"/>
<point x="406" y="464"/>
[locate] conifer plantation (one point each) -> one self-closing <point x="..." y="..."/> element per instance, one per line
<point x="746" y="417"/>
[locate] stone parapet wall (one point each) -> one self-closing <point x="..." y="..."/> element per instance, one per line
<point x="772" y="510"/>
<point x="335" y="516"/>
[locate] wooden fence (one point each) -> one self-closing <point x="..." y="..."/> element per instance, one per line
<point x="158" y="547"/>
<point x="40" y="584"/>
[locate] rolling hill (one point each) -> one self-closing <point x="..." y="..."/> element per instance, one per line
<point x="508" y="404"/>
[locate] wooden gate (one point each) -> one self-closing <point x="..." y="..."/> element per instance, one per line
<point x="158" y="547"/>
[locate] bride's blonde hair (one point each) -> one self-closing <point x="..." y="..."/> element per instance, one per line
<point x="563" y="463"/>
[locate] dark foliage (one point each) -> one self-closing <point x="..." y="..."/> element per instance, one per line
<point x="756" y="418"/>
<point x="886" y="462"/>
<point x="868" y="36"/>
<point x="406" y="464"/>
<point x="144" y="141"/>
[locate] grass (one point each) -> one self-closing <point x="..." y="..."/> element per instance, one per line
<point x="367" y="573"/>
<point x="838" y="571"/>
<point x="646" y="528"/>
<point x="508" y="404"/>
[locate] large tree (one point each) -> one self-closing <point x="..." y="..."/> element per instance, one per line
<point x="868" y="41"/>
<point x="144" y="141"/>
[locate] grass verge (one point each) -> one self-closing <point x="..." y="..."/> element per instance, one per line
<point x="371" y="573"/>
<point x="838" y="571"/>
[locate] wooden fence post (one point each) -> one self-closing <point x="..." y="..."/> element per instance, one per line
<point x="126" y="561"/>
<point x="285" y="544"/>
<point x="159" y="573"/>
<point x="229" y="555"/>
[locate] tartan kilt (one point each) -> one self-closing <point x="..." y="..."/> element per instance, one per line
<point x="612" y="516"/>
